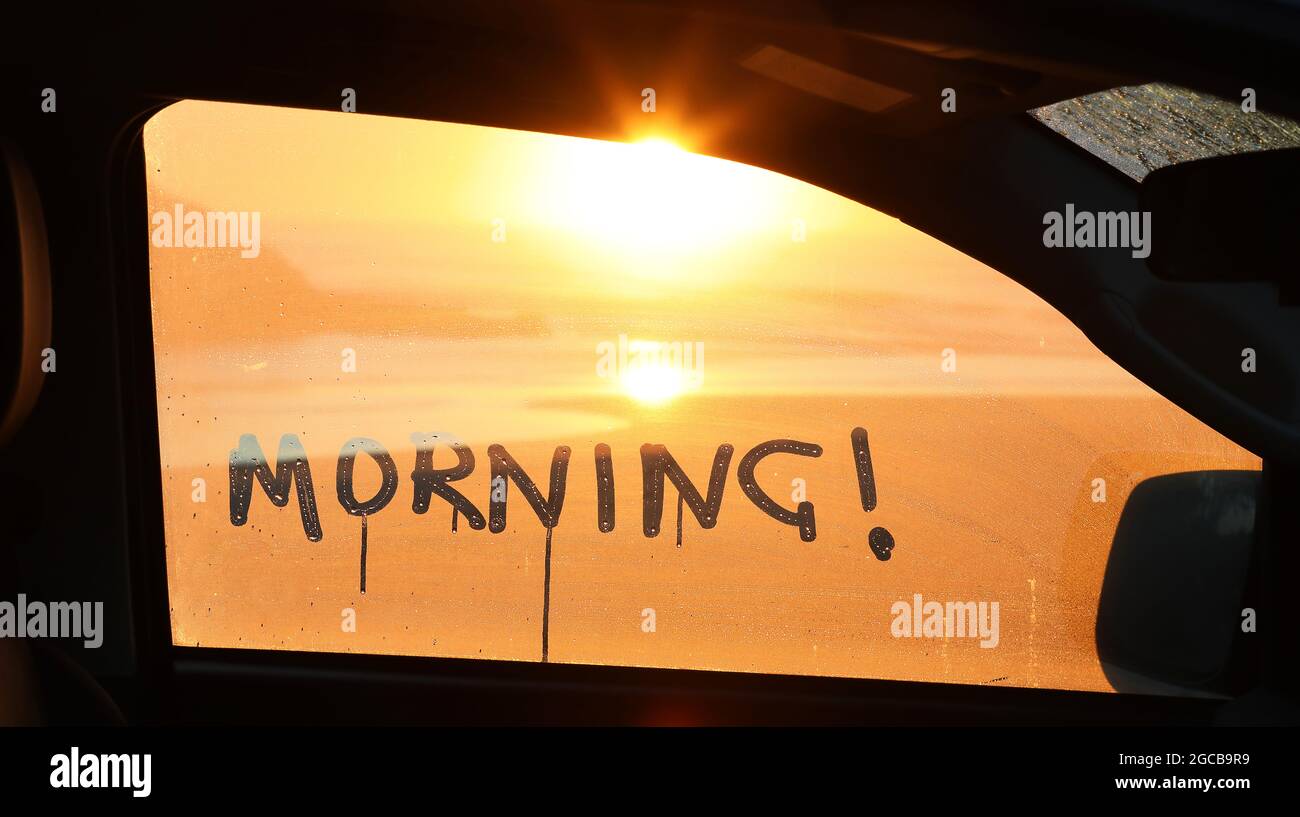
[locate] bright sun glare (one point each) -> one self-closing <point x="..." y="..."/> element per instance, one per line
<point x="654" y="384"/>
<point x="654" y="372"/>
<point x="655" y="199"/>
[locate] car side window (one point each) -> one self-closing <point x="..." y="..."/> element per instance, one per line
<point x="444" y="390"/>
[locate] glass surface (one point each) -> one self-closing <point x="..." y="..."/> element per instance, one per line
<point x="392" y="280"/>
<point x="1141" y="128"/>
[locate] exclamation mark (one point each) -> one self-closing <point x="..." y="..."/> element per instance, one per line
<point x="879" y="539"/>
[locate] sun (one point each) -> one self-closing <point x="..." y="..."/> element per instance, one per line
<point x="654" y="384"/>
<point x="653" y="199"/>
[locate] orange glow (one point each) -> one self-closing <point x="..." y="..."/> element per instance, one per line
<point x="653" y="199"/>
<point x="535" y="291"/>
<point x="654" y="383"/>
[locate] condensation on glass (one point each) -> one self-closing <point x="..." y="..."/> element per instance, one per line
<point x="895" y="462"/>
<point x="1140" y="128"/>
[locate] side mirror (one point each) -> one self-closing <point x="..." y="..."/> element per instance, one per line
<point x="1170" y="614"/>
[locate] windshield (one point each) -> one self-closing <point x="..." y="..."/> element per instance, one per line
<point x="1140" y="128"/>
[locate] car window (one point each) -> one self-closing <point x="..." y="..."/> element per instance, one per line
<point x="1140" y="128"/>
<point x="446" y="390"/>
